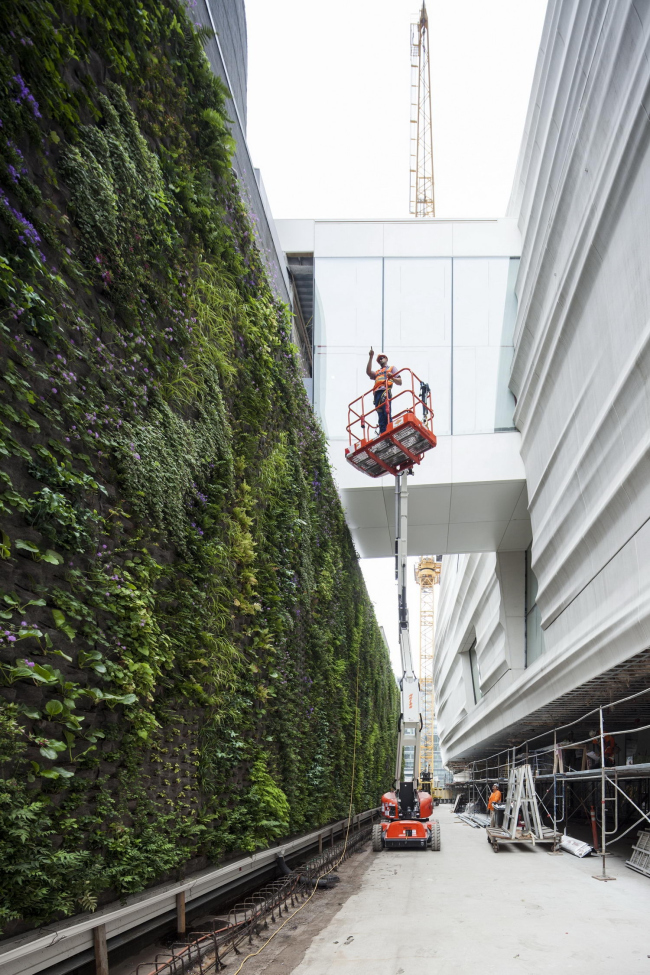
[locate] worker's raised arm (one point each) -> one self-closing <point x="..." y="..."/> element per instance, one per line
<point x="369" y="371"/>
<point x="396" y="379"/>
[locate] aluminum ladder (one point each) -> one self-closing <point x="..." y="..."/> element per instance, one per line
<point x="522" y="797"/>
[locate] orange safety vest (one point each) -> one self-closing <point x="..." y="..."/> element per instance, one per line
<point x="382" y="376"/>
<point x="609" y="745"/>
<point x="495" y="797"/>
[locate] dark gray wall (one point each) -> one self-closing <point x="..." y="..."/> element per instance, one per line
<point x="230" y="21"/>
<point x="227" y="54"/>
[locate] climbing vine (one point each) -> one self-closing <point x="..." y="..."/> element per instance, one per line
<point x="182" y="615"/>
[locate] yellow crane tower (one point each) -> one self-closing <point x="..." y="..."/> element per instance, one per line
<point x="427" y="576"/>
<point x="422" y="201"/>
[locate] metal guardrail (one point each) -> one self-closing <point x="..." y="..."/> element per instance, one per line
<point x="86" y="934"/>
<point x="205" y="949"/>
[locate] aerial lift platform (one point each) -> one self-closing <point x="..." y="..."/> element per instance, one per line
<point x="406" y="810"/>
<point x="407" y="437"/>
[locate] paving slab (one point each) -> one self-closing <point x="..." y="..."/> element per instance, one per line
<point x="467" y="909"/>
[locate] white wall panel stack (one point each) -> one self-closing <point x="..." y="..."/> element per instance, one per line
<point x="581" y="374"/>
<point x="582" y="356"/>
<point x="482" y="600"/>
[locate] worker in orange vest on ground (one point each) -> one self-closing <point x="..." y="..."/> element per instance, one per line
<point x="495" y="797"/>
<point x="384" y="378"/>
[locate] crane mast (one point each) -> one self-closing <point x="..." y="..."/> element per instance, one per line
<point x="422" y="200"/>
<point x="427" y="576"/>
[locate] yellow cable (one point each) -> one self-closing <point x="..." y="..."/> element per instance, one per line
<point x="345" y="844"/>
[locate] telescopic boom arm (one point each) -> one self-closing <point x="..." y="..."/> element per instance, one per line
<point x="410" y="723"/>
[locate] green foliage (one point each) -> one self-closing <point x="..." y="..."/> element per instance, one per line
<point x="170" y="530"/>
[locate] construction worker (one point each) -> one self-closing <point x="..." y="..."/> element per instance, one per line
<point x="384" y="378"/>
<point x="609" y="748"/>
<point x="495" y="797"/>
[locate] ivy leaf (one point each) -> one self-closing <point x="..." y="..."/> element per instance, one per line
<point x="30" y="712"/>
<point x="63" y="772"/>
<point x="48" y="753"/>
<point x="60" y="653"/>
<point x="53" y="708"/>
<point x="26" y="546"/>
<point x="57" y="745"/>
<point x="52" y="557"/>
<point x="45" y="674"/>
<point x="60" y="623"/>
<point x="29" y="631"/>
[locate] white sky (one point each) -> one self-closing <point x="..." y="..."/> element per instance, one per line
<point x="329" y="102"/>
<point x="380" y="581"/>
<point x="328" y="125"/>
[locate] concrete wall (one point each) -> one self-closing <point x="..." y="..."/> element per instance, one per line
<point x="580" y="371"/>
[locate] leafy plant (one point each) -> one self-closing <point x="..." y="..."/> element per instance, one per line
<point x="202" y="594"/>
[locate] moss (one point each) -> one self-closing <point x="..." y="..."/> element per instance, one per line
<point x="183" y="616"/>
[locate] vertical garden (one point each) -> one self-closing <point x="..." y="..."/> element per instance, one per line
<point x="186" y="642"/>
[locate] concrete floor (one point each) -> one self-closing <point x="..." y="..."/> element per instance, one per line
<point x="467" y="909"/>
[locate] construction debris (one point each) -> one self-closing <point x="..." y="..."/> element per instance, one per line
<point x="576" y="847"/>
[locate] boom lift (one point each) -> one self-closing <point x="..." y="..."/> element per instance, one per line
<point x="406" y="810"/>
<point x="406" y="438"/>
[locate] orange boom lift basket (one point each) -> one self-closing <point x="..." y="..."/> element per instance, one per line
<point x="407" y="437"/>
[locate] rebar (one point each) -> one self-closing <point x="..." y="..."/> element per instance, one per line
<point x="249" y="916"/>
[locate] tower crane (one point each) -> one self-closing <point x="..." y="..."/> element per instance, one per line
<point x="427" y="576"/>
<point x="422" y="198"/>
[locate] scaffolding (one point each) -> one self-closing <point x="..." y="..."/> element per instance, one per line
<point x="613" y="799"/>
<point x="427" y="576"/>
<point x="422" y="201"/>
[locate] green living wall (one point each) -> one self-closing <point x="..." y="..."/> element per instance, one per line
<point x="183" y="619"/>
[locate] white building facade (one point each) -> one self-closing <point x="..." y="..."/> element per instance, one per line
<point x="436" y="296"/>
<point x="528" y="638"/>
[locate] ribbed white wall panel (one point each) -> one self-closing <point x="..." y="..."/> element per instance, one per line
<point x="581" y="375"/>
<point x="582" y="356"/>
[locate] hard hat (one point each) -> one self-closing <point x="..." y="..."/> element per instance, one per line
<point x="495" y="786"/>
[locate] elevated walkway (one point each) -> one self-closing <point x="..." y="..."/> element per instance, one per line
<point x="437" y="296"/>
<point x="467" y="495"/>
